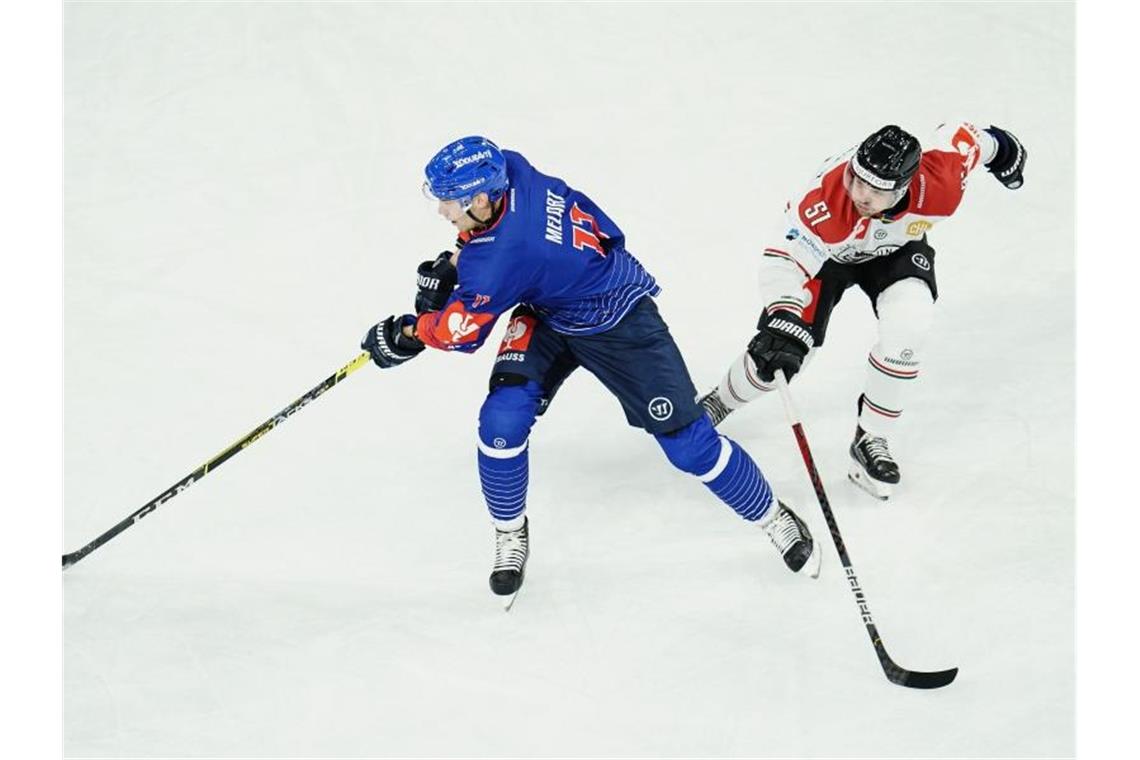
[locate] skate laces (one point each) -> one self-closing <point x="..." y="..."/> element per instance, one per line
<point x="876" y="447"/>
<point x="714" y="406"/>
<point x="510" y="549"/>
<point x="784" y="531"/>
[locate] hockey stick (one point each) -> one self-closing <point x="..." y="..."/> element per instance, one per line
<point x="915" y="679"/>
<point x="216" y="462"/>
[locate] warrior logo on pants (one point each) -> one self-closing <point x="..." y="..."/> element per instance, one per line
<point x="660" y="408"/>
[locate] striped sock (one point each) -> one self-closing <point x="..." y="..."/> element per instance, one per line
<point x="889" y="378"/>
<point x="737" y="481"/>
<point x="503" y="474"/>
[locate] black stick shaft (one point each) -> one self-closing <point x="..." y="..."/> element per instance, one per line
<point x="840" y="546"/>
<point x="217" y="460"/>
<point x="894" y="673"/>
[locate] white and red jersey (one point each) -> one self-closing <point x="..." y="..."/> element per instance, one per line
<point x="822" y="224"/>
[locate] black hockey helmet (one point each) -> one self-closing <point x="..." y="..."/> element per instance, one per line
<point x="888" y="159"/>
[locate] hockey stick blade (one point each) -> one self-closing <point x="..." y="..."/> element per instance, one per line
<point x="920" y="680"/>
<point x="916" y="679"/>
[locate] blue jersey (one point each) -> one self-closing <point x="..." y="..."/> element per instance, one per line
<point x="551" y="248"/>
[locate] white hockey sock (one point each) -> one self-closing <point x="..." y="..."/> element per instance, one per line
<point x="741" y="384"/>
<point x="888" y="379"/>
<point x="905" y="311"/>
<point x="766" y="519"/>
<point x="506" y="526"/>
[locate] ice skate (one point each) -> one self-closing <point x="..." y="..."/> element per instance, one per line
<point x="714" y="407"/>
<point x="872" y="467"/>
<point x="791" y="537"/>
<point x="512" y="547"/>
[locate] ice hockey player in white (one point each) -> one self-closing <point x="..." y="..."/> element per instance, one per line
<point x="863" y="221"/>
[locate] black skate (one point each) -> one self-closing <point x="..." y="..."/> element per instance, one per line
<point x="512" y="547"/>
<point x="872" y="467"/>
<point x="714" y="407"/>
<point x="791" y="537"/>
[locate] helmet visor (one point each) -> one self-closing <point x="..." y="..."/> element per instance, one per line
<point x="461" y="203"/>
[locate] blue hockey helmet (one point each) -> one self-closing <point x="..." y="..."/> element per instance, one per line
<point x="464" y="168"/>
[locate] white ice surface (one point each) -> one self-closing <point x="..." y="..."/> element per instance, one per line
<point x="242" y="201"/>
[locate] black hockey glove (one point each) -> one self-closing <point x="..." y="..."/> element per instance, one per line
<point x="782" y="343"/>
<point x="387" y="343"/>
<point x="434" y="282"/>
<point x="1009" y="161"/>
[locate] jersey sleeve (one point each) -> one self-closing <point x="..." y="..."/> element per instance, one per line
<point x="468" y="317"/>
<point x="967" y="146"/>
<point x="782" y="283"/>
<point x="955" y="150"/>
<point x="459" y="326"/>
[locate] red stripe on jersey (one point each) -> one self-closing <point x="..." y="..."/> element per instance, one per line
<point x="454" y="326"/>
<point x="776" y="253"/>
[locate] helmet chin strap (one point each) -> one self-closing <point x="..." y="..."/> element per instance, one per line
<point x="899" y="205"/>
<point x="485" y="222"/>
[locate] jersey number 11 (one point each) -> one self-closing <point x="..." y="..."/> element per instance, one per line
<point x="586" y="232"/>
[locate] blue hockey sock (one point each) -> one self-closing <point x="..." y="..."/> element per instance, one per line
<point x="738" y="482"/>
<point x="721" y="465"/>
<point x="503" y="473"/>
<point x="504" y="430"/>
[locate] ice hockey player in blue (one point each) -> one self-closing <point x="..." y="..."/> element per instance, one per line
<point x="528" y="242"/>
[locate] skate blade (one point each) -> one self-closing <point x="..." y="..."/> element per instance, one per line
<point x="878" y="489"/>
<point x="815" y="561"/>
<point x="508" y="600"/>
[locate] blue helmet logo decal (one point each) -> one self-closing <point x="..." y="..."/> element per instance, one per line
<point x="465" y="168"/>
